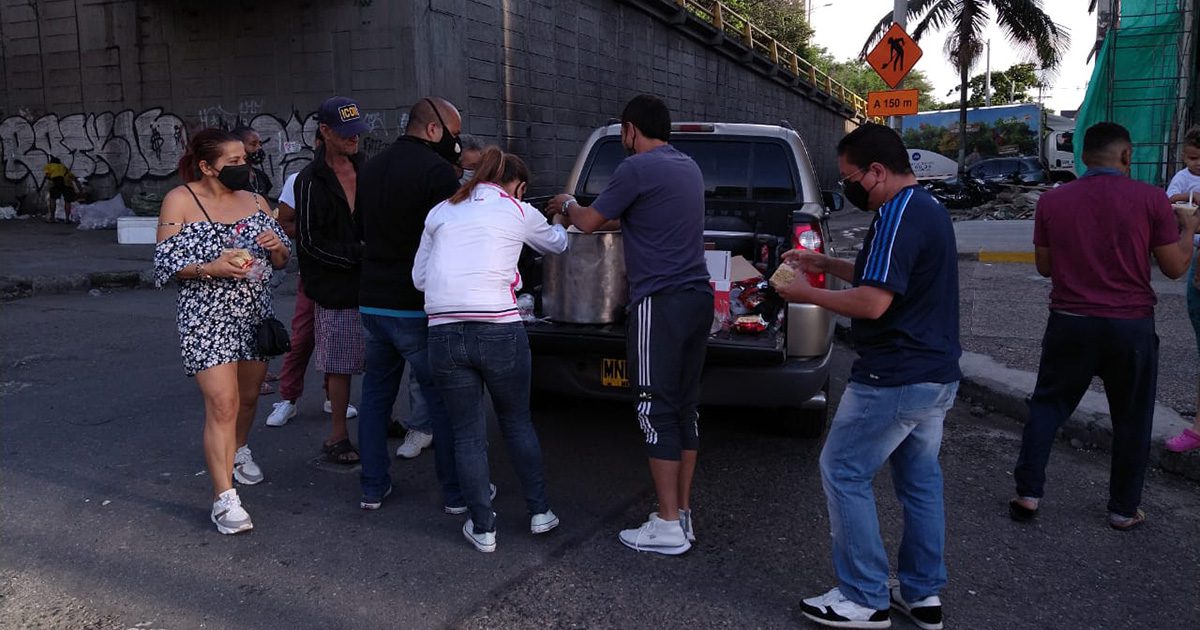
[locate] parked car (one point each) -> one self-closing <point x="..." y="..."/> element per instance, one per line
<point x="761" y="199"/>
<point x="1010" y="170"/>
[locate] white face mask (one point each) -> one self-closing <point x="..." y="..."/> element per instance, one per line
<point x="466" y="176"/>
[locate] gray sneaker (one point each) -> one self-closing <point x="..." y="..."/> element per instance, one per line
<point x="245" y="471"/>
<point x="229" y="515"/>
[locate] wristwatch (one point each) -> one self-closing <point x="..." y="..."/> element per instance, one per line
<point x="567" y="204"/>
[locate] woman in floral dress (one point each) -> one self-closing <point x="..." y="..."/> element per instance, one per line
<point x="217" y="242"/>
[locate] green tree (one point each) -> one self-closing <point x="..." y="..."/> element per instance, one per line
<point x="1027" y="26"/>
<point x="858" y="75"/>
<point x="782" y="19"/>
<point x="1008" y="86"/>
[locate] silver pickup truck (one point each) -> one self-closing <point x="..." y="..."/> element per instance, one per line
<point x="761" y="199"/>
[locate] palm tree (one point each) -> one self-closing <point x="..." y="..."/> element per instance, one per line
<point x="1028" y="28"/>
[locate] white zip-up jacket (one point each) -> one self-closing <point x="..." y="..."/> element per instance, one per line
<point x="467" y="262"/>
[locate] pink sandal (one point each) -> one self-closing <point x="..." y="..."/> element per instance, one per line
<point x="1185" y="441"/>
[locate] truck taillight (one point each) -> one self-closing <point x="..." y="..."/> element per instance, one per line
<point x="806" y="236"/>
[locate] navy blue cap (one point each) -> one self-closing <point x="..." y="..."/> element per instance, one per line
<point x="343" y="116"/>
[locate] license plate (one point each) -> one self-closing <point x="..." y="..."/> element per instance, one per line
<point x="614" y="373"/>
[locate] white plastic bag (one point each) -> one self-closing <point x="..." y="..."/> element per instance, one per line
<point x="8" y="212"/>
<point x="101" y="215"/>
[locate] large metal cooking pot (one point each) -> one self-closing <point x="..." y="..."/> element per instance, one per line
<point x="586" y="284"/>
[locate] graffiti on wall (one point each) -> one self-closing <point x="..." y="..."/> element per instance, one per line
<point x="127" y="145"/>
<point x="132" y="147"/>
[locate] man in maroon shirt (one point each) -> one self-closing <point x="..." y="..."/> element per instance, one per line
<point x="1093" y="238"/>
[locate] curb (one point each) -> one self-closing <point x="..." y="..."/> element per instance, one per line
<point x="1006" y="390"/>
<point x="997" y="257"/>
<point x="15" y="287"/>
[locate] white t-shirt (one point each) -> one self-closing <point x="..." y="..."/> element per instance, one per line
<point x="288" y="193"/>
<point x="1184" y="182"/>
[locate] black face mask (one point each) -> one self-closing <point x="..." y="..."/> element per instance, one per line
<point x="857" y="195"/>
<point x="258" y="157"/>
<point x="235" y="177"/>
<point x="448" y="146"/>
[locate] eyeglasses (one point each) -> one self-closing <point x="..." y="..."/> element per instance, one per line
<point x="842" y="182"/>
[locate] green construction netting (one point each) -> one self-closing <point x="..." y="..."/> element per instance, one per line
<point x="1136" y="83"/>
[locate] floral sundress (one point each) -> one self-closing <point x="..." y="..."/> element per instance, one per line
<point x="217" y="318"/>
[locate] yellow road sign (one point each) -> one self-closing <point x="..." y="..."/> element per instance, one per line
<point x="892" y="103"/>
<point x="894" y="55"/>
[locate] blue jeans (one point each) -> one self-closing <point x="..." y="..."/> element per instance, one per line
<point x="392" y="342"/>
<point x="874" y="425"/>
<point x="464" y="358"/>
<point x="418" y="410"/>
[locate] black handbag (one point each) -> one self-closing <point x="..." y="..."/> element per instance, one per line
<point x="271" y="339"/>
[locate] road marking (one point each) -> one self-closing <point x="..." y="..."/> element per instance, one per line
<point x="1006" y="257"/>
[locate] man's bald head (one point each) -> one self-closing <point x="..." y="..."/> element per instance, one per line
<point x="425" y="122"/>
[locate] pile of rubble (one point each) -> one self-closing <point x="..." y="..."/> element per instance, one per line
<point x="1012" y="202"/>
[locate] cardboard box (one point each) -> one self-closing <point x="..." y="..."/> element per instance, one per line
<point x="740" y="270"/>
<point x="718" y="265"/>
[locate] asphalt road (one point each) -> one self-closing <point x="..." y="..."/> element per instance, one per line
<point x="104" y="517"/>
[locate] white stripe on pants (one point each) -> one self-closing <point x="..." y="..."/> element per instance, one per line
<point x="644" y="320"/>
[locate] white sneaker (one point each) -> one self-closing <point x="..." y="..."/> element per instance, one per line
<point x="926" y="613"/>
<point x="284" y="410"/>
<point x="462" y="509"/>
<point x="229" y="515"/>
<point x="544" y="522"/>
<point x="835" y="611"/>
<point x="245" y="471"/>
<point x="657" y="536"/>
<point x="685" y="521"/>
<point x="483" y="542"/>
<point x="414" y="443"/>
<point x="351" y="411"/>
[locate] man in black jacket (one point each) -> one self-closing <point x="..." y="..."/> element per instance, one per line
<point x="331" y="258"/>
<point x="399" y="187"/>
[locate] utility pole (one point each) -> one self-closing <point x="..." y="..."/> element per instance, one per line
<point x="899" y="16"/>
<point x="987" y="80"/>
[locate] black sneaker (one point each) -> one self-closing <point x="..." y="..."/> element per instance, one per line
<point x="927" y="613"/>
<point x="834" y="610"/>
<point x="374" y="503"/>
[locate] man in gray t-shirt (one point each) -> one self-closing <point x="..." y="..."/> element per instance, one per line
<point x="657" y="194"/>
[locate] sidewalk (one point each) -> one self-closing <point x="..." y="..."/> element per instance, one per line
<point x="995" y="241"/>
<point x="1003" y="312"/>
<point x="40" y="258"/>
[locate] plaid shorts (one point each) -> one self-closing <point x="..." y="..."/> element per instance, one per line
<point x="339" y="340"/>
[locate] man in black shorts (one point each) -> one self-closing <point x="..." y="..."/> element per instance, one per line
<point x="658" y="196"/>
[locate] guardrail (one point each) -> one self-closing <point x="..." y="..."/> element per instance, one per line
<point x="731" y="23"/>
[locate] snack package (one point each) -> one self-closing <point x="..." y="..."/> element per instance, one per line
<point x="784" y="275"/>
<point x="750" y="324"/>
<point x="241" y="257"/>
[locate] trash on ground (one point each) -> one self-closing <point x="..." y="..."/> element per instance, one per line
<point x="101" y="215"/>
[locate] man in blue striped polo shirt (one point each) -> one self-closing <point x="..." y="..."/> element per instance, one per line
<point x="904" y="324"/>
